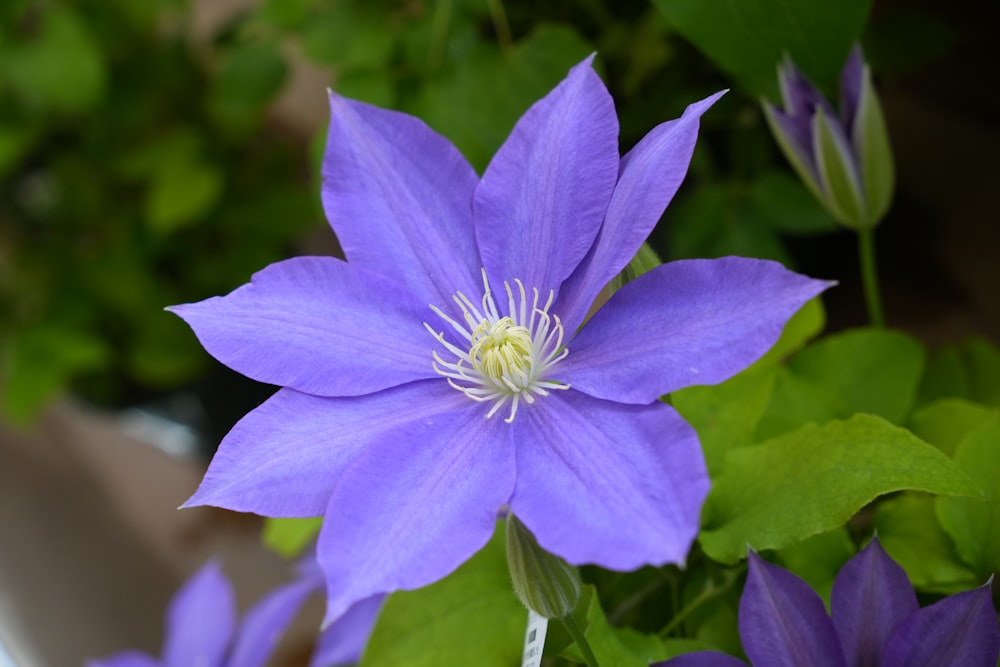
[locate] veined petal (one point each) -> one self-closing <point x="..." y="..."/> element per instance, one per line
<point x="783" y="622"/>
<point x="958" y="631"/>
<point x="201" y="620"/>
<point x="319" y="325"/>
<point x="684" y="323"/>
<point x="126" y="659"/>
<point x="615" y="485"/>
<point x="543" y="196"/>
<point x="344" y="641"/>
<point x="871" y="597"/>
<point x="285" y="458"/>
<point x="702" y="659"/>
<point x="417" y="504"/>
<point x="648" y="178"/>
<point x="399" y="197"/>
<point x="265" y="624"/>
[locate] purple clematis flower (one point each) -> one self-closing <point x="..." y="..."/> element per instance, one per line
<point x="438" y="376"/>
<point x="202" y="628"/>
<point x="844" y="159"/>
<point x="876" y="621"/>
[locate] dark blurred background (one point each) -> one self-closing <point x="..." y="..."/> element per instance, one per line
<point x="160" y="152"/>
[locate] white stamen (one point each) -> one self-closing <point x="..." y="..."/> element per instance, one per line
<point x="509" y="358"/>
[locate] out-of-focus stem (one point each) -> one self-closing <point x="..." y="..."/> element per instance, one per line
<point x="869" y="276"/>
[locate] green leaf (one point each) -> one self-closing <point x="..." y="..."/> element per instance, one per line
<point x="873" y="370"/>
<point x="725" y="415"/>
<point x="59" y="67"/>
<point x="716" y="220"/>
<point x="819" y="558"/>
<point x="471" y="617"/>
<point x="795" y="402"/>
<point x="781" y="201"/>
<point x="288" y="537"/>
<point x="40" y="360"/>
<point x="612" y="646"/>
<point x="911" y="534"/>
<point x="478" y="98"/>
<point x="181" y="194"/>
<point x="348" y="36"/>
<point x="747" y="38"/>
<point x="974" y="523"/>
<point x="814" y="479"/>
<point x="970" y="370"/>
<point x="250" y="76"/>
<point x="945" y="422"/>
<point x="803" y="326"/>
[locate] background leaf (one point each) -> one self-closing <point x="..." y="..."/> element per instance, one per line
<point x="911" y="534"/>
<point x="814" y="479"/>
<point x="974" y="523"/>
<point x="747" y="38"/>
<point x="471" y="617"/>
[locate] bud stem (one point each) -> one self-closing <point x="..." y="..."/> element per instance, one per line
<point x="573" y="628"/>
<point x="869" y="276"/>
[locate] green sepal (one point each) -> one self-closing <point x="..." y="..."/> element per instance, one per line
<point x="799" y="162"/>
<point x="871" y="145"/>
<point x="545" y="583"/>
<point x="838" y="175"/>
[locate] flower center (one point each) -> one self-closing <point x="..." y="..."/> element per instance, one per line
<point x="505" y="359"/>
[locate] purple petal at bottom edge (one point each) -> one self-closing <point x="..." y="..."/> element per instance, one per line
<point x="345" y="640"/>
<point x="126" y="659"/>
<point x="417" y="504"/>
<point x="783" y="622"/>
<point x="607" y="483"/>
<point x="958" y="631"/>
<point x="702" y="659"/>
<point x="871" y="597"/>
<point x="201" y="620"/>
<point x="264" y="625"/>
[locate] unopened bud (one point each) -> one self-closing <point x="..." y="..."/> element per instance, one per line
<point x="545" y="583"/>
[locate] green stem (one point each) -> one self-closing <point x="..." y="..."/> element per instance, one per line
<point x="500" y="24"/>
<point x="869" y="276"/>
<point x="730" y="577"/>
<point x="439" y="33"/>
<point x="577" y="634"/>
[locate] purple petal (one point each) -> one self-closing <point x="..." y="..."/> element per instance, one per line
<point x="126" y="659"/>
<point x="285" y="458"/>
<point x="851" y="81"/>
<point x="318" y="325"/>
<point x="800" y="96"/>
<point x="201" y="620"/>
<point x="543" y="197"/>
<point x="783" y="622"/>
<point x="648" y="178"/>
<point x="399" y="197"/>
<point x="417" y="504"/>
<point x="683" y="323"/>
<point x="615" y="485"/>
<point x="958" y="631"/>
<point x="795" y="134"/>
<point x="264" y="625"/>
<point x="871" y="597"/>
<point x="344" y="641"/>
<point x="702" y="659"/>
